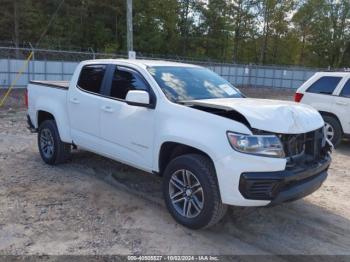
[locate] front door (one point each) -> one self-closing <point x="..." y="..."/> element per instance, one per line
<point x="127" y="129"/>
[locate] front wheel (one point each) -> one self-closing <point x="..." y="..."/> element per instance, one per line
<point x="191" y="191"/>
<point x="52" y="150"/>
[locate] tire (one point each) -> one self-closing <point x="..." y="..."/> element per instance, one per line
<point x="206" y="208"/>
<point x="333" y="124"/>
<point x="52" y="150"/>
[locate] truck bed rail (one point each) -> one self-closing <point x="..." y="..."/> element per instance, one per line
<point x="55" y="84"/>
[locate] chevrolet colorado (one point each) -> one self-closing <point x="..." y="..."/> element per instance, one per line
<point x="213" y="146"/>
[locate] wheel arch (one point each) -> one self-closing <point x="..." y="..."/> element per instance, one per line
<point x="43" y="114"/>
<point x="170" y="150"/>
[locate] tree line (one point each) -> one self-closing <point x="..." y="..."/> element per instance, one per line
<point x="287" y="32"/>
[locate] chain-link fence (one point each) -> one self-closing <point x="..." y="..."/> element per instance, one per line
<point x="60" y="65"/>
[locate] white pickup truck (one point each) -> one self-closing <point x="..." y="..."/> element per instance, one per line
<point x="212" y="146"/>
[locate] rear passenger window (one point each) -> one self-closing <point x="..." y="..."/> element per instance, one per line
<point x="324" y="85"/>
<point x="91" y="77"/>
<point x="346" y="89"/>
<point x="125" y="80"/>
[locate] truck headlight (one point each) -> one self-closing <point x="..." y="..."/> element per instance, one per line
<point x="262" y="145"/>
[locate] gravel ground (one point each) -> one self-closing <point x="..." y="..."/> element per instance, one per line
<point x="93" y="205"/>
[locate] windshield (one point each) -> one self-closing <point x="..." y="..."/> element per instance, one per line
<point x="192" y="83"/>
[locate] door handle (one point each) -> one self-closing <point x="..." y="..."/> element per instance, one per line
<point x="75" y="100"/>
<point x="107" y="109"/>
<point x="341" y="103"/>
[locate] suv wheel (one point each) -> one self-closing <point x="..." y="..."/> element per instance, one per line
<point x="52" y="149"/>
<point x="333" y="129"/>
<point x="191" y="192"/>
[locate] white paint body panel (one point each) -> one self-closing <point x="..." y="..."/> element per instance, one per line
<point x="129" y="131"/>
<point x="271" y="115"/>
<point x="134" y="135"/>
<point x="333" y="104"/>
<point x="51" y="100"/>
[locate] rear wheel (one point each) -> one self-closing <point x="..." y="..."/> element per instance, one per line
<point x="191" y="191"/>
<point x="333" y="129"/>
<point x="52" y="150"/>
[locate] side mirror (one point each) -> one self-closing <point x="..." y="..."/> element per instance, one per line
<point x="138" y="98"/>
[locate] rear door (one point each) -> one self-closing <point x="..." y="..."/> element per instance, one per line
<point x="127" y="130"/>
<point x="84" y="102"/>
<point x="320" y="94"/>
<point x="342" y="106"/>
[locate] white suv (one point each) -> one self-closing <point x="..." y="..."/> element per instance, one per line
<point x="329" y="93"/>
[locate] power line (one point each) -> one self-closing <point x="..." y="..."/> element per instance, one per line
<point x="49" y="24"/>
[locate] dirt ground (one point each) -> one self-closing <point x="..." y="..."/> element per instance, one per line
<point x="93" y="205"/>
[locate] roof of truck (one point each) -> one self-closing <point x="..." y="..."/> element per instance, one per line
<point x="140" y="62"/>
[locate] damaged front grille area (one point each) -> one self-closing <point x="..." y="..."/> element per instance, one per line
<point x="308" y="160"/>
<point x="304" y="148"/>
<point x="294" y="145"/>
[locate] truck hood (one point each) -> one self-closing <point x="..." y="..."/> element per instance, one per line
<point x="269" y="115"/>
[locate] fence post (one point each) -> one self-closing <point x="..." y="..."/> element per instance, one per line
<point x="45" y="69"/>
<point x="8" y="71"/>
<point x="28" y="73"/>
<point x="229" y="77"/>
<point x="235" y="74"/>
<point x="33" y="50"/>
<point x="33" y="63"/>
<point x="250" y="75"/>
<point x="93" y="52"/>
<point x="62" y="70"/>
<point x="293" y="80"/>
<point x="255" y="68"/>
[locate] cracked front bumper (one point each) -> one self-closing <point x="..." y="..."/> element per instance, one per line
<point x="283" y="186"/>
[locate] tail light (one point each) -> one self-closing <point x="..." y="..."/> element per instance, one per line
<point x="298" y="97"/>
<point x="26" y="98"/>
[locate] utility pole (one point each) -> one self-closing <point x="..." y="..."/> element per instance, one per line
<point x="129" y="25"/>
<point x="16" y="23"/>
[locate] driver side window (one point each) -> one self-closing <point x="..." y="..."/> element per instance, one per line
<point x="125" y="80"/>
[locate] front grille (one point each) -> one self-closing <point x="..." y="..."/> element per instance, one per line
<point x="293" y="144"/>
<point x="306" y="147"/>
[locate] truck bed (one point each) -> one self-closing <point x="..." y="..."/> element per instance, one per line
<point x="52" y="96"/>
<point x="55" y="84"/>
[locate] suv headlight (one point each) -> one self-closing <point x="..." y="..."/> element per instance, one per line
<point x="262" y="145"/>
